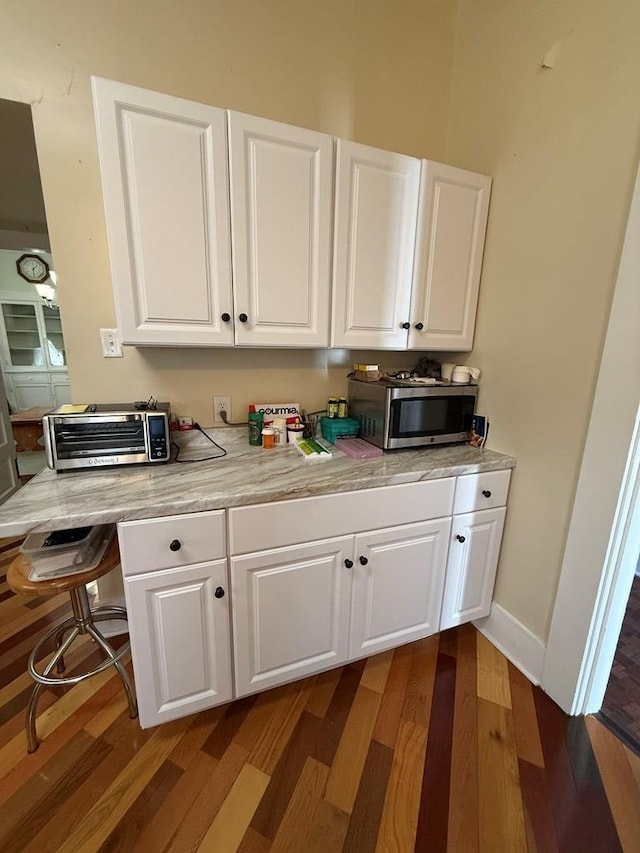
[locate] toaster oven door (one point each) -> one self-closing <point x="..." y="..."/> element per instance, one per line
<point x="82" y="442"/>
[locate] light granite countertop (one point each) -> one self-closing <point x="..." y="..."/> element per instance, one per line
<point x="246" y="475"/>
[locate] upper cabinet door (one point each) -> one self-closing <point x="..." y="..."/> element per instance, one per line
<point x="281" y="214"/>
<point x="375" y="229"/>
<point x="454" y="206"/>
<point x="165" y="182"/>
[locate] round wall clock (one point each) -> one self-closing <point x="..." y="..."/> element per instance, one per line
<point x="33" y="268"/>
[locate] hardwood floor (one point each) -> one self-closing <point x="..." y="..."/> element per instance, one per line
<point x="439" y="746"/>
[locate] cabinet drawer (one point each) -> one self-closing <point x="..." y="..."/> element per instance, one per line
<point x="145" y="546"/>
<point x="481" y="491"/>
<point x="276" y="525"/>
<point x="29" y="378"/>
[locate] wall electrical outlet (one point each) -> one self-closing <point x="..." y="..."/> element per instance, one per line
<point x="111" y="343"/>
<point x="221" y="404"/>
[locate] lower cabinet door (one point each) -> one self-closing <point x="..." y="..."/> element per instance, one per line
<point x="180" y="640"/>
<point x="398" y="584"/>
<point x="290" y="612"/>
<point x="471" y="570"/>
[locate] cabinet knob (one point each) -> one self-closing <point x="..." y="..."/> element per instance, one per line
<point x="363" y="561"/>
<point x="219" y="593"/>
<point x="348" y="564"/>
<point x="175" y="545"/>
<point x="460" y="538"/>
<point x="225" y="317"/>
<point x="486" y="493"/>
<point x="243" y="318"/>
<point x="406" y="325"/>
<point x="419" y="326"/>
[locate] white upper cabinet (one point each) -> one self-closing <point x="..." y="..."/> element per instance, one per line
<point x="375" y="228"/>
<point x="163" y="162"/>
<point x="281" y="216"/>
<point x="454" y="205"/>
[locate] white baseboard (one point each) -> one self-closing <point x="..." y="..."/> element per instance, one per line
<point x="524" y="649"/>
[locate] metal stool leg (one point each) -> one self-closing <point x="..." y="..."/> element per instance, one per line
<point x="59" y="637"/>
<point x="122" y="672"/>
<point x="32" y="737"/>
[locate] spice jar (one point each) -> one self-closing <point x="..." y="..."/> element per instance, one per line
<point x="268" y="438"/>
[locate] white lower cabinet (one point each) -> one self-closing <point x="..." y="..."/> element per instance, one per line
<point x="398" y="583"/>
<point x="471" y="569"/>
<point x="307" y="608"/>
<point x="291" y="609"/>
<point x="310" y="585"/>
<point x="180" y="640"/>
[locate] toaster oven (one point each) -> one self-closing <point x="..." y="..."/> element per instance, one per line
<point x="106" y="434"/>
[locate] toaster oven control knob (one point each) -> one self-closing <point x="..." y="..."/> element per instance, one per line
<point x="225" y="317"/>
<point x="348" y="564"/>
<point x="363" y="561"/>
<point x="419" y="326"/>
<point x="406" y="325"/>
<point x="175" y="545"/>
<point x="243" y="318"/>
<point x="486" y="493"/>
<point x="460" y="538"/>
<point x="219" y="593"/>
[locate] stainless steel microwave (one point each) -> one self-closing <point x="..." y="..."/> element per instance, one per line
<point x="100" y="435"/>
<point x="400" y="413"/>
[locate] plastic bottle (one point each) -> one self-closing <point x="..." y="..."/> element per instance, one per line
<point x="268" y="438"/>
<point x="255" y="428"/>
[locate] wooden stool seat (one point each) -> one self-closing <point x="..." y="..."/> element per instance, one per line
<point x="18" y="575"/>
<point x="82" y="622"/>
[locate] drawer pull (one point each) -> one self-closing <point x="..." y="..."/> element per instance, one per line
<point x="363" y="561"/>
<point x="219" y="593"/>
<point x="175" y="545"/>
<point x="486" y="493"/>
<point x="460" y="538"/>
<point x="348" y="564"/>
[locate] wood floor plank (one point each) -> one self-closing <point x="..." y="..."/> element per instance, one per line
<point x="285" y="776"/>
<point x="390" y="713"/>
<point x="376" y="672"/>
<point x="362" y="832"/>
<point x="539" y="823"/>
<point x="433" y="819"/>
<point x="619" y="783"/>
<point x="298" y="817"/>
<point x="15" y="830"/>
<point x="327" y="831"/>
<point x="399" y="821"/>
<point x="322" y="692"/>
<point x="102" y="818"/>
<point x="200" y="729"/>
<point x="164" y="824"/>
<point x="417" y="703"/>
<point x="493" y="674"/>
<point x="258" y="718"/>
<point x="253" y="842"/>
<point x="351" y="755"/>
<point x="524" y="718"/>
<point x="333" y="723"/>
<point x="462" y="830"/>
<point x="230" y="824"/>
<point x="273" y="740"/>
<point x="137" y="816"/>
<point x="208" y="802"/>
<point x="501" y="816"/>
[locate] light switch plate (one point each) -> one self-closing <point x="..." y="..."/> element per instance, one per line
<point x="111" y="343"/>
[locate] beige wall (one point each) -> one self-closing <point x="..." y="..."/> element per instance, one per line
<point x="562" y="144"/>
<point x="370" y="71"/>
